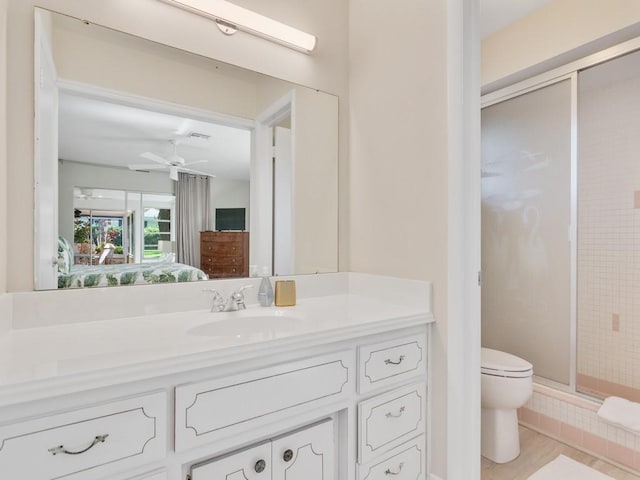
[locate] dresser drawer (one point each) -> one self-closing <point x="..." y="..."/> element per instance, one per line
<point x="226" y="261"/>
<point x="222" y="248"/>
<point x="88" y="443"/>
<point x="206" y="411"/>
<point x="382" y="364"/>
<point x="387" y="420"/>
<point x="223" y="236"/>
<point x="225" y="272"/>
<point x="221" y="261"/>
<point x="406" y="462"/>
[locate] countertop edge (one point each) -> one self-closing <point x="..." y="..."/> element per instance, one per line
<point x="101" y="378"/>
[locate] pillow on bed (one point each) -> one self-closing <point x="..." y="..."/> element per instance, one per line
<point x="65" y="255"/>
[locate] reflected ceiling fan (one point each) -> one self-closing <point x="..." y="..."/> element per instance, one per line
<point x="174" y="163"/>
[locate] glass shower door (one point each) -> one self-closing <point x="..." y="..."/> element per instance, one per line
<point x="526" y="217"/>
<point x="609" y="229"/>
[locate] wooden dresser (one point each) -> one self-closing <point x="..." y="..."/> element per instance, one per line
<point x="224" y="254"/>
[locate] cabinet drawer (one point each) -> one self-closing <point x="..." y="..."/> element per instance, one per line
<point x="406" y="462"/>
<point x="385" y="363"/>
<point x="387" y="420"/>
<point x="88" y="443"/>
<point x="207" y="410"/>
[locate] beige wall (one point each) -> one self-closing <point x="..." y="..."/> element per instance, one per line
<point x="398" y="160"/>
<point x="325" y="70"/>
<point x="3" y="149"/>
<point x="562" y="30"/>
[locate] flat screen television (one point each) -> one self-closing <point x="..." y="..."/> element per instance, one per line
<point x="230" y="219"/>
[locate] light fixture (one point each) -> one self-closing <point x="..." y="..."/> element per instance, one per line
<point x="231" y="18"/>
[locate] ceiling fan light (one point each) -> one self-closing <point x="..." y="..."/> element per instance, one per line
<point x="173" y="173"/>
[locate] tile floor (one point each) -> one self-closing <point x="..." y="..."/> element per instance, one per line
<point x="536" y="450"/>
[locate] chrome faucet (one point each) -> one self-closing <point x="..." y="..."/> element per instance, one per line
<point x="233" y="303"/>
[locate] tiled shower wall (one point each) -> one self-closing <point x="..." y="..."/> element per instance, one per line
<point x="608" y="262"/>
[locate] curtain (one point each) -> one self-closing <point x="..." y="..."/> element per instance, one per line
<point x="192" y="215"/>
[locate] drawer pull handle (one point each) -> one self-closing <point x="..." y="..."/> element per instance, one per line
<point x="260" y="466"/>
<point x="396" y="415"/>
<point x="288" y="455"/>
<point x="389" y="472"/>
<point x="61" y="449"/>
<point x="388" y="361"/>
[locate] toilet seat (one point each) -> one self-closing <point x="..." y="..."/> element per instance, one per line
<point x="502" y="364"/>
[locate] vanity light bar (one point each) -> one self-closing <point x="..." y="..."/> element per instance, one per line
<point x="230" y="17"/>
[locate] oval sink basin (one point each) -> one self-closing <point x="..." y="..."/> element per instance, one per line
<point x="241" y="325"/>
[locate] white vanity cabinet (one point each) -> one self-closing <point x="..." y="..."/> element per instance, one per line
<point x="348" y="403"/>
<point x="307" y="454"/>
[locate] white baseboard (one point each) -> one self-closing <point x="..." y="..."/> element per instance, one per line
<point x="434" y="477"/>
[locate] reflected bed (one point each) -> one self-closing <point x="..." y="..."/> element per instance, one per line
<point x="80" y="276"/>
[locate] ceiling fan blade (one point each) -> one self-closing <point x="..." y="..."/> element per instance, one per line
<point x="147" y="166"/>
<point x="195" y="163"/>
<point x="154" y="158"/>
<point x="196" y="172"/>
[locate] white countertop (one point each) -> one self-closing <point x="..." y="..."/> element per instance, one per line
<point x="59" y="359"/>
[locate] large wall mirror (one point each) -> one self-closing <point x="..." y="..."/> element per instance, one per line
<point x="156" y="165"/>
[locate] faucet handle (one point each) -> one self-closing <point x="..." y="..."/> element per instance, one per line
<point x="238" y="295"/>
<point x="218" y="299"/>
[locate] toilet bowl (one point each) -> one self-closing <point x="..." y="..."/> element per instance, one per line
<point x="506" y="385"/>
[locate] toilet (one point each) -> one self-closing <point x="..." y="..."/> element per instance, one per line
<point x="506" y="385"/>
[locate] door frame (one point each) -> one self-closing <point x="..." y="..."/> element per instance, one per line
<point x="45" y="268"/>
<point x="261" y="184"/>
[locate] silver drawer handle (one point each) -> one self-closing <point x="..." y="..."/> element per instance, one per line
<point x="389" y="472"/>
<point x="61" y="449"/>
<point x="388" y="361"/>
<point x="397" y="415"/>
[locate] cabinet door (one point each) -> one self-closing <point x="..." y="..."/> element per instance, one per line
<point x="305" y="455"/>
<point x="251" y="464"/>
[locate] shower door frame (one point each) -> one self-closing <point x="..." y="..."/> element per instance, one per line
<point x="566" y="72"/>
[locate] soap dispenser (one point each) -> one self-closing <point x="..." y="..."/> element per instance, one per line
<point x="265" y="293"/>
